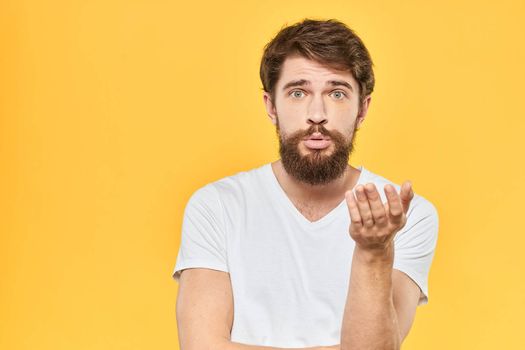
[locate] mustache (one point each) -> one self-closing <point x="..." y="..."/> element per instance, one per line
<point x="297" y="136"/>
<point x="317" y="128"/>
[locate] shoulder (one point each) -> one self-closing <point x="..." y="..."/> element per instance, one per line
<point x="231" y="189"/>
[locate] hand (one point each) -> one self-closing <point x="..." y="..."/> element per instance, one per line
<point x="374" y="224"/>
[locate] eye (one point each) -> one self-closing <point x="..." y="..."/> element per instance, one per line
<point x="296" y="93"/>
<point x="339" y="95"/>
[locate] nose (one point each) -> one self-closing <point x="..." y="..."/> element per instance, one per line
<point x="316" y="111"/>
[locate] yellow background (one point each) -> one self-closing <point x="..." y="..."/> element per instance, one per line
<point x="114" y="112"/>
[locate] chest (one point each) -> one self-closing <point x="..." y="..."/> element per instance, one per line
<point x="289" y="284"/>
<point x="314" y="211"/>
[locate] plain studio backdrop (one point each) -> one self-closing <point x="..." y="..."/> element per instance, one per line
<point x="112" y="113"/>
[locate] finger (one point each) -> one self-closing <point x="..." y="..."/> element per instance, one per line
<point x="364" y="207"/>
<point x="407" y="193"/>
<point x="376" y="205"/>
<point x="395" y="207"/>
<point x="355" y="217"/>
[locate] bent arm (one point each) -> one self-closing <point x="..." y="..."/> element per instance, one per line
<point x="205" y="312"/>
<point x="370" y="319"/>
<point x="380" y="304"/>
<point x="379" y="310"/>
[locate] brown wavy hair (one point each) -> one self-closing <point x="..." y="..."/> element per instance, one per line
<point x="329" y="42"/>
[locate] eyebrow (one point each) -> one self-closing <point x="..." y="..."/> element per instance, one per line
<point x="302" y="82"/>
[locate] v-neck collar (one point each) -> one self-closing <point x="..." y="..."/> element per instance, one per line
<point x="286" y="201"/>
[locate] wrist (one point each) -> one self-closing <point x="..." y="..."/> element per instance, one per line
<point x="379" y="254"/>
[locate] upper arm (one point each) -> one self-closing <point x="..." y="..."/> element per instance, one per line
<point x="406" y="294"/>
<point x="414" y="250"/>
<point x="204" y="308"/>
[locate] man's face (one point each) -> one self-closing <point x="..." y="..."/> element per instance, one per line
<point x="316" y="113"/>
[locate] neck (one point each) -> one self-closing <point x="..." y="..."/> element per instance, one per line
<point x="319" y="193"/>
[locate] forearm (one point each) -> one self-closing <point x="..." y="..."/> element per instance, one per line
<point x="370" y="319"/>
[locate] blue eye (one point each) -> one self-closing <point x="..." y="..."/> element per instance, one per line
<point x="342" y="94"/>
<point x="293" y="93"/>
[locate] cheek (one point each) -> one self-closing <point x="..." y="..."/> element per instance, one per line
<point x="344" y="116"/>
<point x="348" y="109"/>
<point x="291" y="119"/>
<point x="345" y="125"/>
<point x="292" y="111"/>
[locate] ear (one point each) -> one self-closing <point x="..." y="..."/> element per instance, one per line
<point x="270" y="107"/>
<point x="364" y="110"/>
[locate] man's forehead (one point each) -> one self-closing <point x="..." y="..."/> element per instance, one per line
<point x="300" y="68"/>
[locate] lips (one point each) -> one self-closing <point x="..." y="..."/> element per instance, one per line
<point x="317" y="141"/>
<point x="317" y="136"/>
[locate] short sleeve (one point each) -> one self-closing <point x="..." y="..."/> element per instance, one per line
<point x="415" y="243"/>
<point x="203" y="237"/>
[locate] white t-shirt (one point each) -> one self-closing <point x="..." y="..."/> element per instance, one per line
<point x="289" y="276"/>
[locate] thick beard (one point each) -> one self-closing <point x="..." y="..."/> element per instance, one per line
<point x="315" y="168"/>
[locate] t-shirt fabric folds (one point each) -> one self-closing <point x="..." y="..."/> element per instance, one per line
<point x="289" y="275"/>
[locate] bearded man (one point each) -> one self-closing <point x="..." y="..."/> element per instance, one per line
<point x="306" y="251"/>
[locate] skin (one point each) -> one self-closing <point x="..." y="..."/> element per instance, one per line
<point x="318" y="104"/>
<point x="372" y="319"/>
<point x="381" y="301"/>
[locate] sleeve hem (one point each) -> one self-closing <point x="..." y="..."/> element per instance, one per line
<point x="412" y="275"/>
<point x="197" y="264"/>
